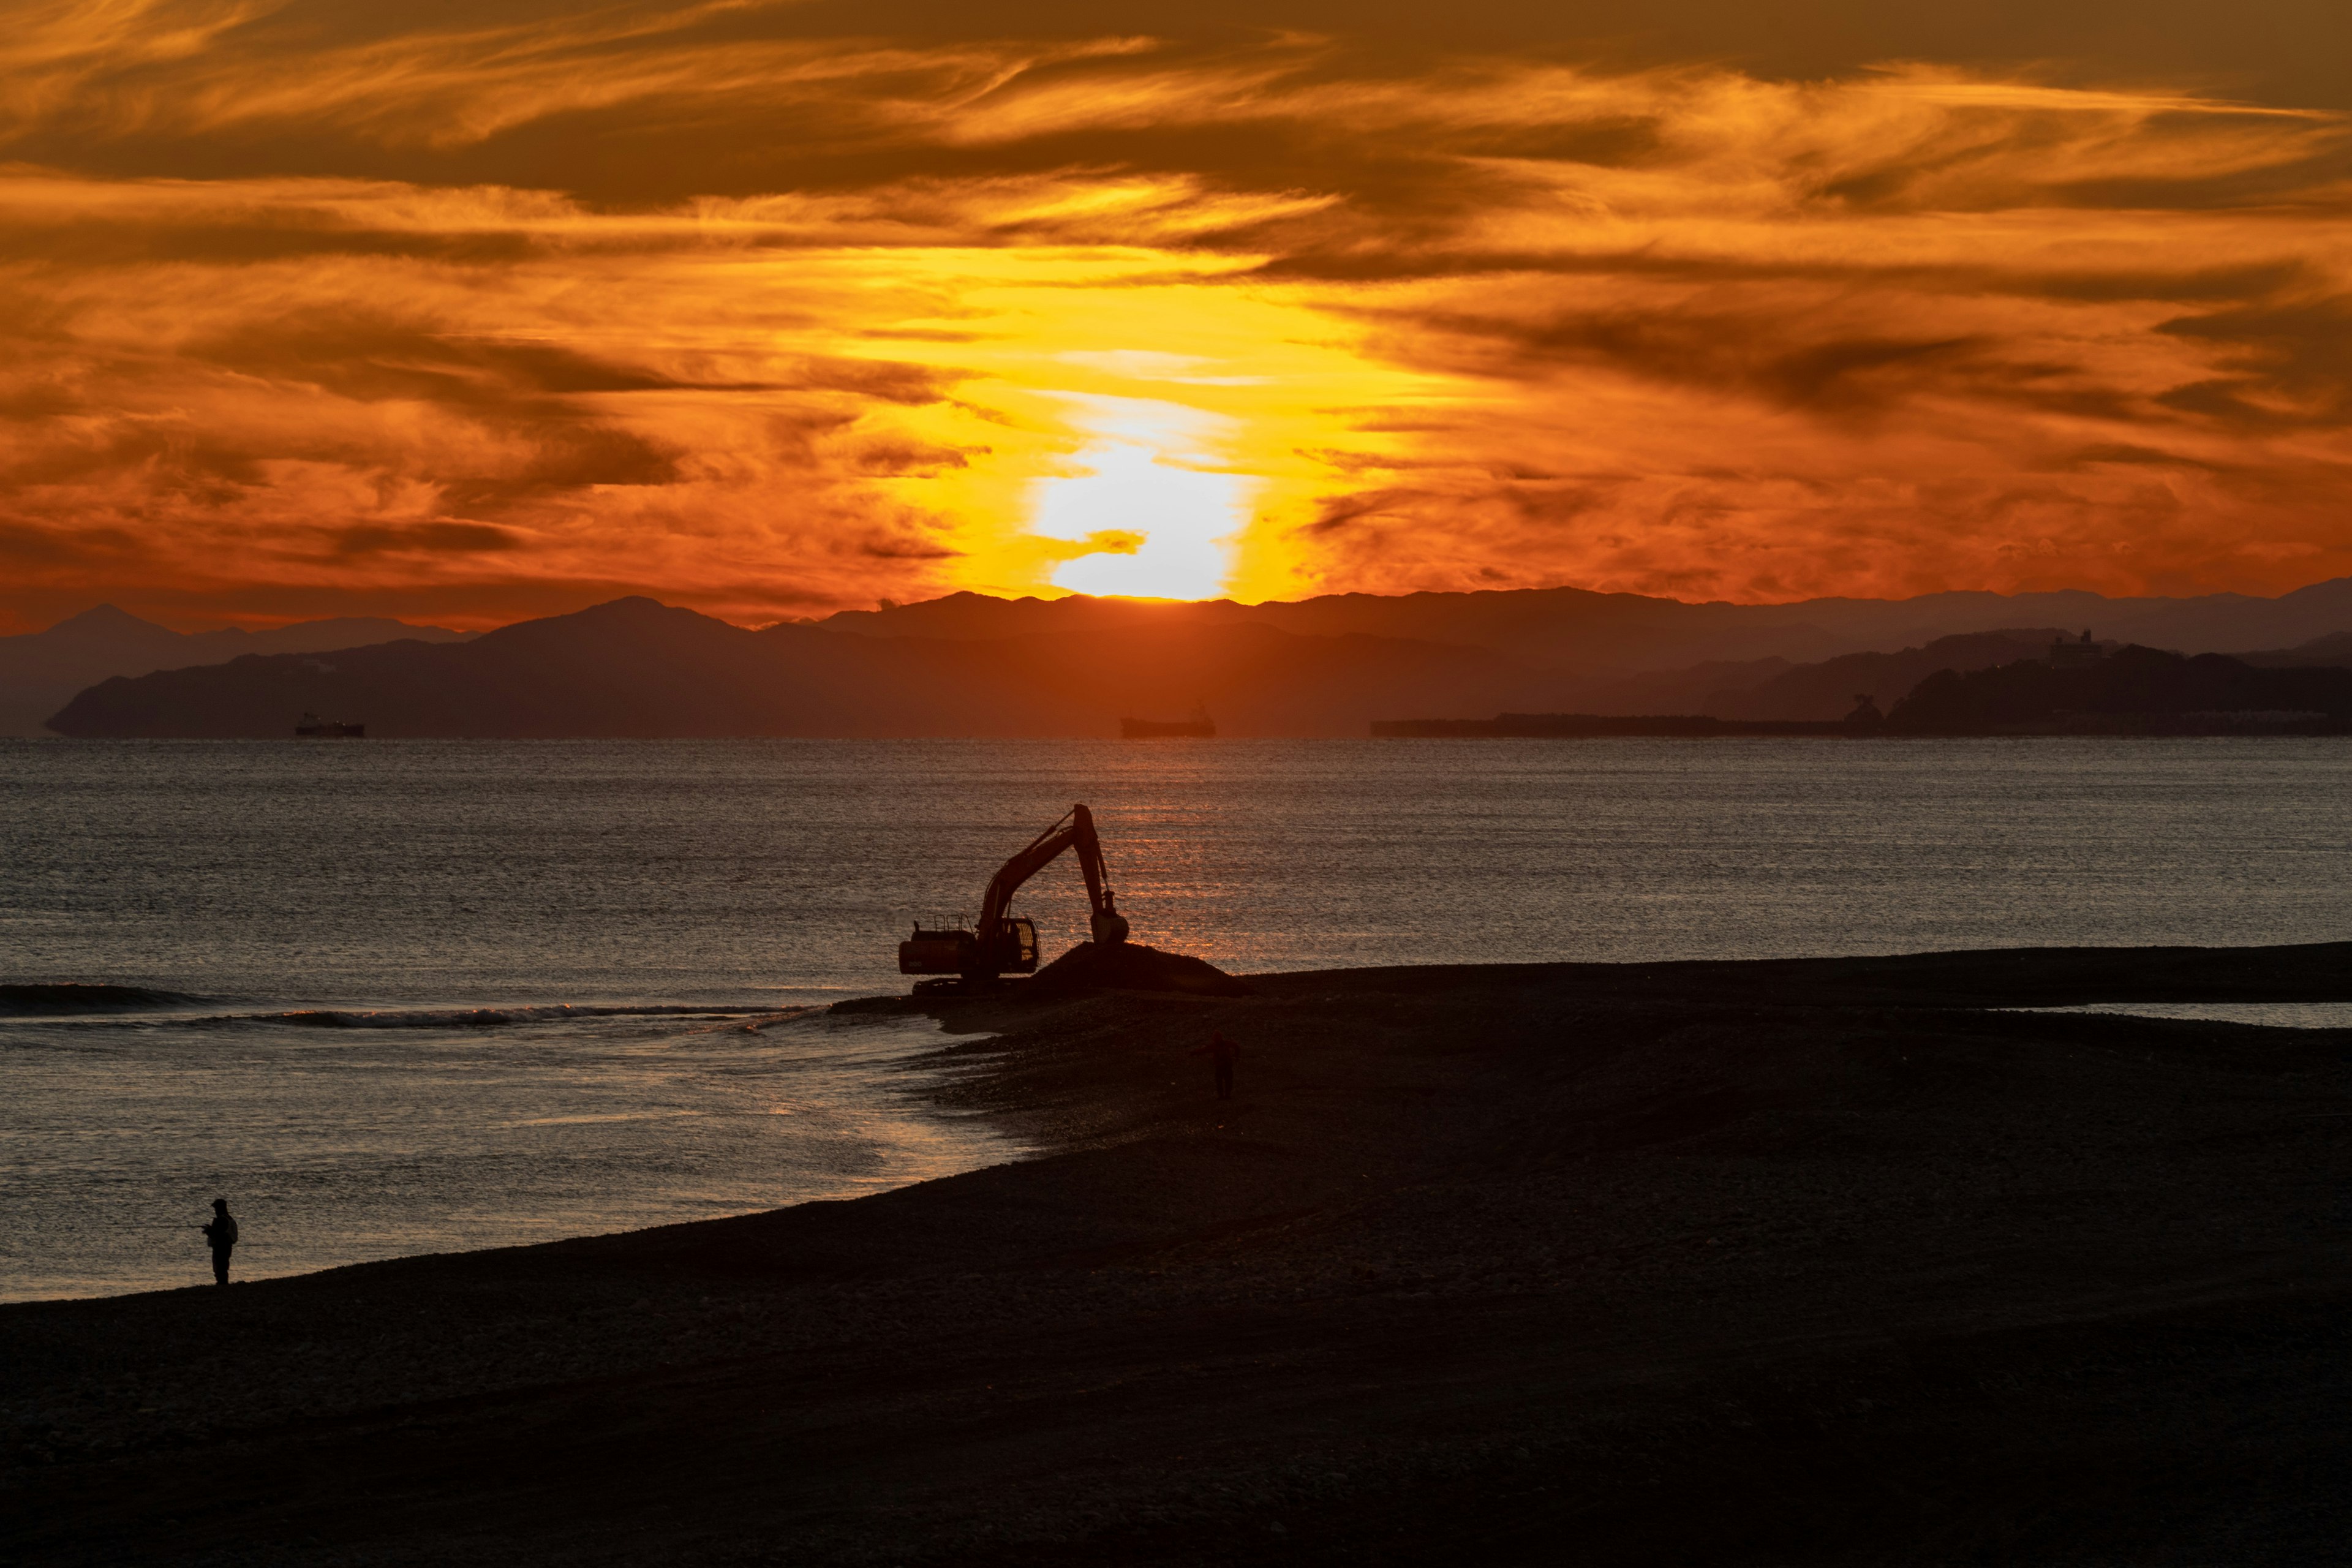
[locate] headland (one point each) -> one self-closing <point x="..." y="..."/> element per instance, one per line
<point x="1821" y="1261"/>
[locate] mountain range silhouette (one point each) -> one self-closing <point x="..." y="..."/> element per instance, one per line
<point x="970" y="665"/>
<point x="41" y="670"/>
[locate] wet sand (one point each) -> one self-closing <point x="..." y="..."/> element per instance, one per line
<point x="1765" y="1263"/>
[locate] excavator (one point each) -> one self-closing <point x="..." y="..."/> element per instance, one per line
<point x="1006" y="943"/>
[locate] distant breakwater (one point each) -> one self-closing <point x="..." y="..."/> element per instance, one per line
<point x="1581" y="726"/>
<point x="1603" y="726"/>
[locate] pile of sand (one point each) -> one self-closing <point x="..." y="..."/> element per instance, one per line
<point x="1131" y="966"/>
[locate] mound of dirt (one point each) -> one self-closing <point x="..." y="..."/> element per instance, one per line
<point x="1131" y="966"/>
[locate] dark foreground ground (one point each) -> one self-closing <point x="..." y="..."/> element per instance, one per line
<point x="1692" y="1264"/>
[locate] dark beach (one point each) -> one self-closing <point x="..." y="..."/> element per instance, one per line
<point x="1812" y="1261"/>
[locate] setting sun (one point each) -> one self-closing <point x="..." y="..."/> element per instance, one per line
<point x="1158" y="522"/>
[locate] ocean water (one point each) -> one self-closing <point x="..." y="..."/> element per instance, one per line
<point x="427" y="996"/>
<point x="2268" y="1015"/>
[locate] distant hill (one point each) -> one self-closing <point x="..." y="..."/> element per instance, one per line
<point x="1602" y="638"/>
<point x="2136" y="690"/>
<point x="40" y="671"/>
<point x="1828" y="689"/>
<point x="2132" y="692"/>
<point x="969" y="664"/>
<point x="1695" y="688"/>
<point x="2333" y="649"/>
<point x="1775" y="690"/>
<point x="635" y="667"/>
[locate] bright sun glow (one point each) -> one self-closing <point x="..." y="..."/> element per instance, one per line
<point x="1218" y="440"/>
<point x="1158" y="517"/>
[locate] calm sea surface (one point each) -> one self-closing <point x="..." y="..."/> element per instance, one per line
<point x="451" y="994"/>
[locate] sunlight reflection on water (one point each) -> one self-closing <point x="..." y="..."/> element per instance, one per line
<point x="339" y="1146"/>
<point x="410" y="952"/>
<point x="447" y="874"/>
<point x="2272" y="1015"/>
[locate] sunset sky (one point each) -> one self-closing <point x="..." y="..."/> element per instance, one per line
<point x="468" y="312"/>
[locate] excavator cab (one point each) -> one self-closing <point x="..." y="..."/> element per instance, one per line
<point x="935" y="952"/>
<point x="956" y="951"/>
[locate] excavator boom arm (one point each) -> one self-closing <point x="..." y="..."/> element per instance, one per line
<point x="1074" y="831"/>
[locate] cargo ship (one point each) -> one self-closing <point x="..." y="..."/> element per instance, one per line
<point x="310" y="727"/>
<point x="1199" y="726"/>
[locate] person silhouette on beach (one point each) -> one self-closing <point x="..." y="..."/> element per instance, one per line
<point x="221" y="1235"/>
<point x="1221" y="1053"/>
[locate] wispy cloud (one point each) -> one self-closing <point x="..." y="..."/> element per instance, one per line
<point x="316" y="310"/>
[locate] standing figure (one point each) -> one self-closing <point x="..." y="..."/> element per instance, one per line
<point x="221" y="1235"/>
<point x="1221" y="1053"/>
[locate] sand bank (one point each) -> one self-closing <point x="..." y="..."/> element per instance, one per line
<point x="1812" y="1261"/>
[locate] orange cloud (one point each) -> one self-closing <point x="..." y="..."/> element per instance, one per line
<point x="309" y="314"/>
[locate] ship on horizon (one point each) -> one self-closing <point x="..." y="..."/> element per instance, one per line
<point x="1199" y="726"/>
<point x="310" y="727"/>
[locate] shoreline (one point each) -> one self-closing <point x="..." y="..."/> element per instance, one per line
<point x="1697" y="1259"/>
<point x="353" y="1135"/>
